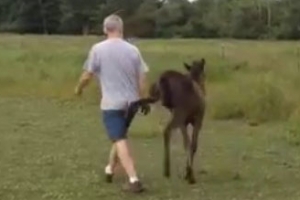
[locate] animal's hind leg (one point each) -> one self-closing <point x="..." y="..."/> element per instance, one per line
<point x="173" y="124"/>
<point x="167" y="135"/>
<point x="185" y="137"/>
<point x="192" y="151"/>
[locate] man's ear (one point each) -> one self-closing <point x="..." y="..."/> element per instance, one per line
<point x="187" y="67"/>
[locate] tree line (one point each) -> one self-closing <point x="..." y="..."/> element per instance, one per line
<point x="249" y="19"/>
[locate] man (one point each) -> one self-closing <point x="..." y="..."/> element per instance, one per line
<point x="121" y="72"/>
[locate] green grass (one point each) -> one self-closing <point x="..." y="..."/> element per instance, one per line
<point x="53" y="146"/>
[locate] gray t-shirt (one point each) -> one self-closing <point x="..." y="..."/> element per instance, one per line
<point x="117" y="65"/>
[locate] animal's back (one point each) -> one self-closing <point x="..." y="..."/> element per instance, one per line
<point x="178" y="91"/>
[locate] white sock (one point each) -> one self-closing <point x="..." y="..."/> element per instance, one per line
<point x="133" y="179"/>
<point x="108" y="169"/>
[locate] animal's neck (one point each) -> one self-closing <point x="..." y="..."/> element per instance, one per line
<point x="200" y="86"/>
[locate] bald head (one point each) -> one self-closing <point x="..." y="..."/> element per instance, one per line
<point x="113" y="24"/>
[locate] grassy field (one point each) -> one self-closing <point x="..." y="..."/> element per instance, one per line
<point x="53" y="146"/>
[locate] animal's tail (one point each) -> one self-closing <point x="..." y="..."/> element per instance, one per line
<point x="165" y="92"/>
<point x="158" y="91"/>
<point x="154" y="95"/>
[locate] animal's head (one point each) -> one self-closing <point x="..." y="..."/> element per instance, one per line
<point x="196" y="70"/>
<point x="197" y="73"/>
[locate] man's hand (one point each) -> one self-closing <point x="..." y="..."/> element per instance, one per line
<point x="78" y="91"/>
<point x="145" y="108"/>
<point x="83" y="82"/>
<point x="140" y="106"/>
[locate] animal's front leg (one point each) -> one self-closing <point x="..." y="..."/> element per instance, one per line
<point x="167" y="136"/>
<point x="192" y="151"/>
<point x="185" y="137"/>
<point x="189" y="176"/>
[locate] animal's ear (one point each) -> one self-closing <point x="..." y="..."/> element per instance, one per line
<point x="187" y="66"/>
<point x="203" y="61"/>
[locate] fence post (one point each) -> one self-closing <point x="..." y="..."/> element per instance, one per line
<point x="298" y="58"/>
<point x="223" y="51"/>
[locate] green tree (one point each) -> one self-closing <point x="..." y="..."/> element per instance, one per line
<point x="143" y="22"/>
<point x="290" y="25"/>
<point x="80" y="16"/>
<point x="157" y="18"/>
<point x="172" y="18"/>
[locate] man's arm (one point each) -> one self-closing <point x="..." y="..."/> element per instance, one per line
<point x="83" y="82"/>
<point x="143" y="81"/>
<point x="91" y="67"/>
<point x="143" y="86"/>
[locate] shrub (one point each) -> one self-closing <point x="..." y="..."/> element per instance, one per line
<point x="265" y="101"/>
<point x="256" y="99"/>
<point x="225" y="103"/>
<point x="293" y="128"/>
<point x="219" y="71"/>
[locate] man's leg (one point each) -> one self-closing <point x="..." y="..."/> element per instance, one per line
<point x="128" y="164"/>
<point x="112" y="163"/>
<point x="126" y="159"/>
<point x="116" y="125"/>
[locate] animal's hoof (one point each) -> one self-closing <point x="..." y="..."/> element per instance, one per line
<point x="167" y="174"/>
<point x="190" y="178"/>
<point x="237" y="176"/>
<point x="253" y="123"/>
<point x="186" y="177"/>
<point x="192" y="181"/>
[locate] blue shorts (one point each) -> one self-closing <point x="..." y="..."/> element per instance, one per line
<point x="116" y="124"/>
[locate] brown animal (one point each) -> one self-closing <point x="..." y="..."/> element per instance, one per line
<point x="184" y="96"/>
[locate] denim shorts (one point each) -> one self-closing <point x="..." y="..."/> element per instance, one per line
<point x="116" y="124"/>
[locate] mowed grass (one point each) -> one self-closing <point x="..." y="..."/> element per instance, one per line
<point x="53" y="146"/>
